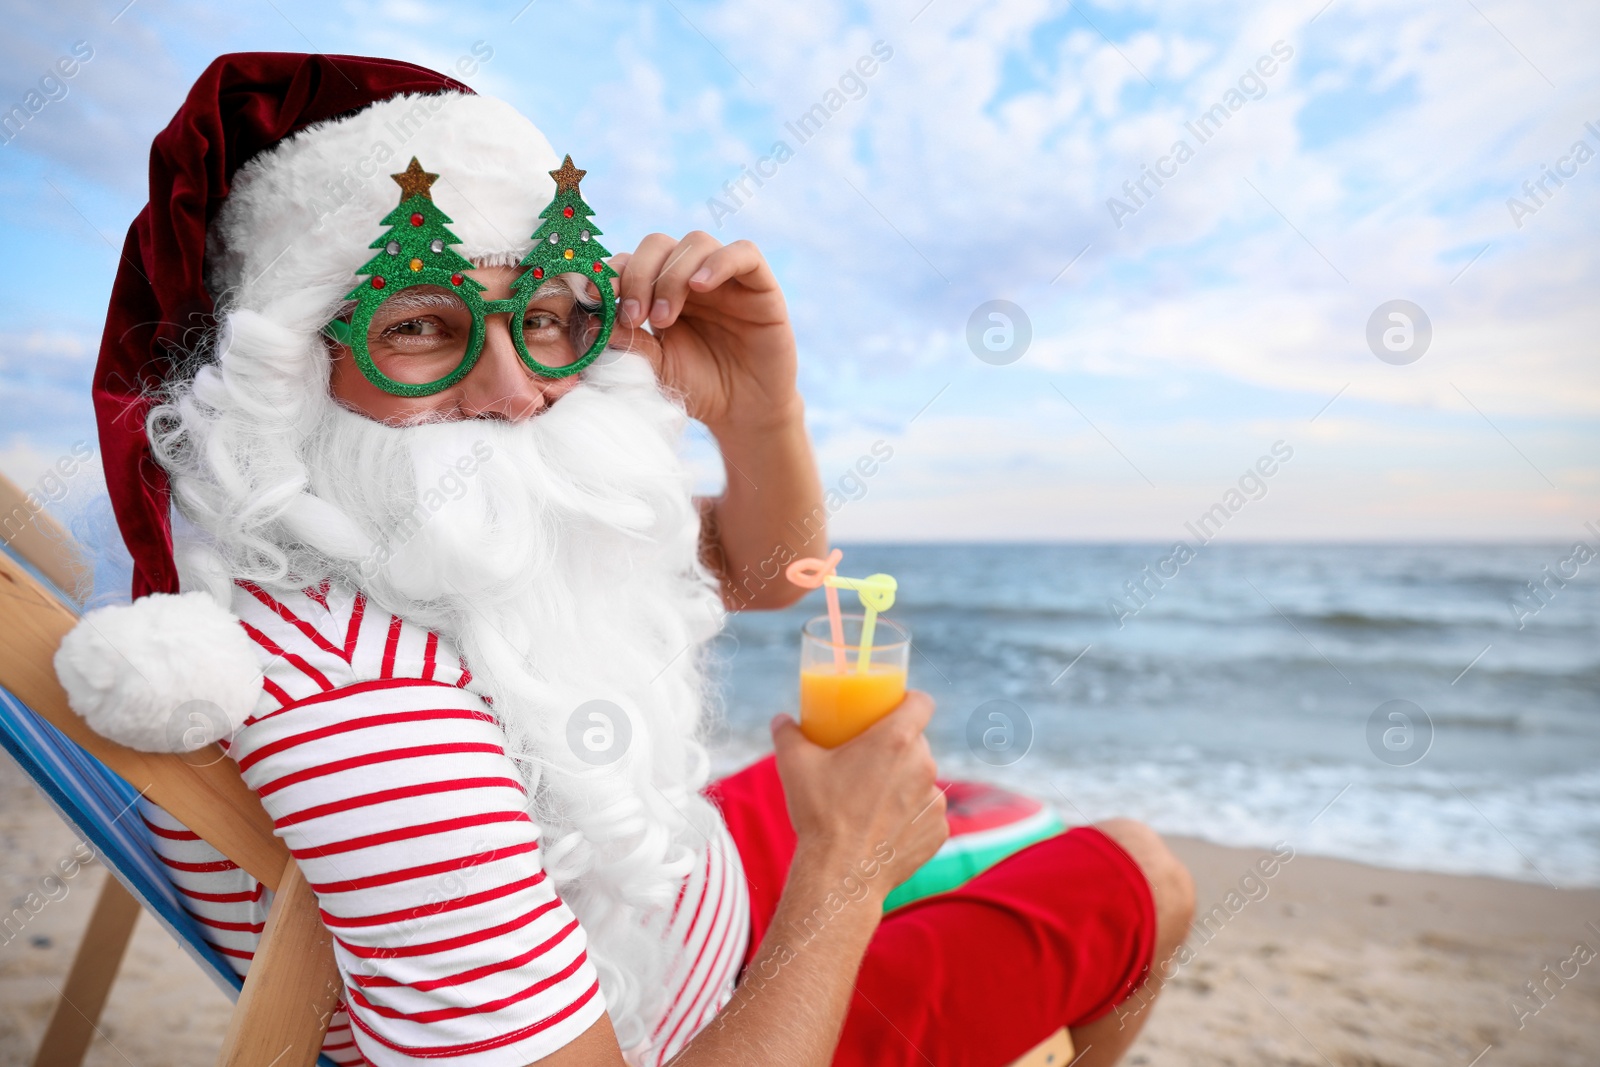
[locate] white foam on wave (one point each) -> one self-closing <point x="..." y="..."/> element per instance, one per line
<point x="1544" y="830"/>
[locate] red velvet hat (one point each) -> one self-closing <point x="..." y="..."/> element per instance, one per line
<point x="242" y="104"/>
<point x="174" y="671"/>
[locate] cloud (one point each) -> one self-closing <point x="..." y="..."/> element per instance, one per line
<point x="1374" y="163"/>
<point x="100" y="128"/>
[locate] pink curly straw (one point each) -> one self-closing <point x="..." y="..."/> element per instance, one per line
<point x="810" y="573"/>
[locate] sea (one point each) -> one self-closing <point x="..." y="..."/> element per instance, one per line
<point x="1426" y="707"/>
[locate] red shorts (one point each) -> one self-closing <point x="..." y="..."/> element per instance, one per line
<point x="1057" y="934"/>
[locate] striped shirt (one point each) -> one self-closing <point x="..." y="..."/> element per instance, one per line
<point x="388" y="779"/>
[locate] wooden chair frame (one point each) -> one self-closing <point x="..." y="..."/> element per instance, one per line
<point x="293" y="984"/>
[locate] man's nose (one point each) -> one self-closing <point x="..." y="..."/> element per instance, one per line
<point x="500" y="385"/>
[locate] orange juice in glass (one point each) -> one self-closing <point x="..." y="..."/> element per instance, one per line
<point x="838" y="699"/>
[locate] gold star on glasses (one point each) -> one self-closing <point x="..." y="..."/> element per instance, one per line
<point x="414" y="181"/>
<point x="567" y="176"/>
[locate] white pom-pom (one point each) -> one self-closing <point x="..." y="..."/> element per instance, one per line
<point x="166" y="673"/>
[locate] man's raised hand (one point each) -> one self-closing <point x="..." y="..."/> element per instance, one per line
<point x="719" y="329"/>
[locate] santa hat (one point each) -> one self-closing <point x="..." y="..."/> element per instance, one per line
<point x="273" y="175"/>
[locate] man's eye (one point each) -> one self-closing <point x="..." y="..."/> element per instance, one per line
<point x="540" y="320"/>
<point x="415" y="328"/>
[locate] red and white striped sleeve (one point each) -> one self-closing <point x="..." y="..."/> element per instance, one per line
<point x="711" y="923"/>
<point x="397" y="798"/>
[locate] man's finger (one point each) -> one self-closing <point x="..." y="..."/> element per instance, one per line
<point x="913" y="712"/>
<point x="636" y="287"/>
<point x="672" y="284"/>
<point x="636" y="339"/>
<point x="741" y="260"/>
<point x="786" y="736"/>
<point x="625" y="335"/>
<point x="936" y="802"/>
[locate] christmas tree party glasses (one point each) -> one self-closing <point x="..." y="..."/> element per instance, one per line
<point x="418" y="324"/>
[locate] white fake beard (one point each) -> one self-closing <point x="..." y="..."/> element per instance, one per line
<point x="559" y="554"/>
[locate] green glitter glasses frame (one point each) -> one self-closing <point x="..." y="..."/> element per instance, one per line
<point x="425" y="335"/>
<point x="418" y="324"/>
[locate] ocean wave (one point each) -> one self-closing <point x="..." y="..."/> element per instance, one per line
<point x="1490" y="618"/>
<point x="1355" y="620"/>
<point x="943" y="611"/>
<point x="1207" y="712"/>
<point x="1540" y="830"/>
<point x="1256" y="667"/>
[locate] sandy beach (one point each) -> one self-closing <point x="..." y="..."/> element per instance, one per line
<point x="1357" y="966"/>
<point x="1325" y="962"/>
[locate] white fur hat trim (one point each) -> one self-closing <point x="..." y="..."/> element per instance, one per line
<point x="166" y="673"/>
<point x="301" y="216"/>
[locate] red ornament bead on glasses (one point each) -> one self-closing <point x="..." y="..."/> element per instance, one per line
<point x="416" y="220"/>
<point x="377" y="283"/>
<point x="538" y="272"/>
<point x="455" y="279"/>
<point x="567" y="211"/>
<point x="598" y="266"/>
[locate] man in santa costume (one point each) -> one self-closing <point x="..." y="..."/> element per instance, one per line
<point x="411" y="531"/>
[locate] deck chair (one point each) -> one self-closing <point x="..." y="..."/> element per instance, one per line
<point x="284" y="1005"/>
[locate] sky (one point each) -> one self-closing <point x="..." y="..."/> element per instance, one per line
<point x="1197" y="218"/>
